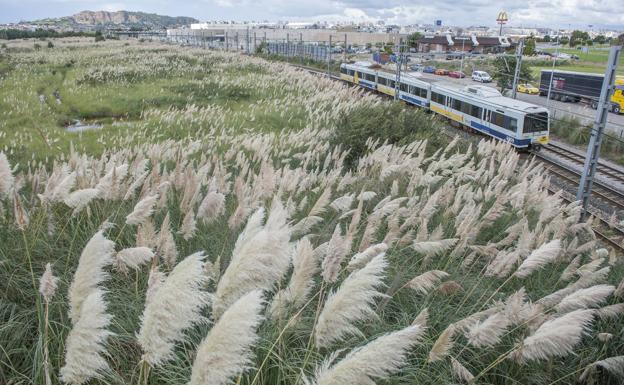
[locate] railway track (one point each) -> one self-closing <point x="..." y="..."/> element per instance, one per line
<point x="602" y="168"/>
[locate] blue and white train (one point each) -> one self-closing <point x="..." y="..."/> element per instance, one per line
<point x="476" y="107"/>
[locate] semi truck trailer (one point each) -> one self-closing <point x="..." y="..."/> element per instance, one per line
<point x="568" y="86"/>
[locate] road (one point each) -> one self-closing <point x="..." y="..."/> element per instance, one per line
<point x="583" y="112"/>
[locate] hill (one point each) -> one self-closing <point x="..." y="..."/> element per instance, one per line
<point x="119" y="19"/>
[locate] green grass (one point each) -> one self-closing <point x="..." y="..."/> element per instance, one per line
<point x="258" y="131"/>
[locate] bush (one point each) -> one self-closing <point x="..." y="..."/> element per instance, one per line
<point x="50" y="45"/>
<point x="391" y="122"/>
<point x="37" y="46"/>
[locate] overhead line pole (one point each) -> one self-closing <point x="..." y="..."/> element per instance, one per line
<point x="595" y="140"/>
<point x="519" y="52"/>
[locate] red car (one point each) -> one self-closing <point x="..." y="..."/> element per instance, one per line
<point x="457" y="74"/>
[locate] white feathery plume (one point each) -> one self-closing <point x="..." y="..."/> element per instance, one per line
<point x="166" y="247"/>
<point x="305" y="224"/>
<point x="571" y="269"/>
<point x="48" y="283"/>
<point x="488" y="332"/>
<point x="544" y="255"/>
<point x="605" y="337"/>
<point x="360" y="260"/>
<point x="7" y="180"/>
<point x="613" y="365"/>
<point x="19" y="213"/>
<point x="188" y="227"/>
<point x="611" y="311"/>
<point x="443" y="344"/>
<point x="343" y="203"/>
<point x="226" y="351"/>
<point x="351" y="303"/>
<point x="174" y="307"/>
<point x="427" y="281"/>
<point x="85" y="345"/>
<point x="211" y="207"/>
<point x="460" y="371"/>
<point x="80" y="199"/>
<point x="96" y="255"/>
<point x="305" y="267"/>
<point x="430" y="248"/>
<point x="260" y="258"/>
<point x="154" y="282"/>
<point x="590" y="267"/>
<point x="133" y="257"/>
<point x="321" y="203"/>
<point x="336" y="251"/>
<point x="585" y="298"/>
<point x="555" y="338"/>
<point x="422" y="318"/>
<point x="375" y="361"/>
<point x="142" y="210"/>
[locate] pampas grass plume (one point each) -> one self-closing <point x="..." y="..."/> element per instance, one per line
<point x="48" y="283"/>
<point x="545" y="254"/>
<point x="174" y="307"/>
<point x="85" y="350"/>
<point x="375" y="361"/>
<point x="142" y="210"/>
<point x="226" y="351"/>
<point x="96" y="255"/>
<point x="133" y="257"/>
<point x="352" y="302"/>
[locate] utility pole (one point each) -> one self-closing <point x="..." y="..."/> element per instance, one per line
<point x="329" y="56"/>
<point x="595" y="140"/>
<point x="519" y="51"/>
<point x="344" y="56"/>
<point x="399" y="63"/>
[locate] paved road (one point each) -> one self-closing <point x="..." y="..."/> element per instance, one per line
<point x="580" y="110"/>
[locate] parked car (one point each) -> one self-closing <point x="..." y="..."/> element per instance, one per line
<point x="527" y="88"/>
<point x="441" y="71"/>
<point x="429" y="70"/>
<point x="481" y="76"/>
<point x="417" y="67"/>
<point x="457" y="74"/>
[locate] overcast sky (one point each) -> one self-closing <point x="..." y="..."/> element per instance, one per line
<point x="555" y="13"/>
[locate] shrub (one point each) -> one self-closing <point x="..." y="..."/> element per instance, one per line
<point x="50" y="44"/>
<point x="391" y="122"/>
<point x="37" y="46"/>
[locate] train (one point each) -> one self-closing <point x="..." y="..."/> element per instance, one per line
<point x="476" y="107"/>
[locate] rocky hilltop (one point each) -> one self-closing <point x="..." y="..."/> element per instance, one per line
<point x="118" y="19"/>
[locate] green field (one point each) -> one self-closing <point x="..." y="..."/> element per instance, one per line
<point x="594" y="61"/>
<point x="231" y="219"/>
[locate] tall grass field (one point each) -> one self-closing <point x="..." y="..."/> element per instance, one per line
<point x="224" y="219"/>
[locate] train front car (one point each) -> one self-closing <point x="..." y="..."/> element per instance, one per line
<point x="484" y="109"/>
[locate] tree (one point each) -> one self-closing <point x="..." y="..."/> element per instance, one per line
<point x="564" y="40"/>
<point x="504" y="69"/>
<point x="600" y="39"/>
<point x="412" y="40"/>
<point x="546" y="39"/>
<point x="529" y="47"/>
<point x="578" y="37"/>
<point x="621" y="38"/>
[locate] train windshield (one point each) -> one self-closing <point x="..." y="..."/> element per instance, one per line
<point x="535" y="123"/>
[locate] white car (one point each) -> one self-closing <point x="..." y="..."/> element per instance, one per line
<point x="481" y="76"/>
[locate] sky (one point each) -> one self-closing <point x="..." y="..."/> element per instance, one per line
<point x="544" y="13"/>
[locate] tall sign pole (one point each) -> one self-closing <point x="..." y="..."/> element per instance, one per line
<point x="595" y="140"/>
<point x="514" y="87"/>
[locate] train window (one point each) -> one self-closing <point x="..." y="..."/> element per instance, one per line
<point x="404" y="87"/>
<point x="370" y="77"/>
<point x="535" y="123"/>
<point x="359" y="74"/>
<point x="497" y="119"/>
<point x="466" y="108"/>
<point x="438" y="98"/>
<point x="423" y="93"/>
<point x="391" y="83"/>
<point x="343" y="70"/>
<point x="351" y="72"/>
<point x="511" y="124"/>
<point x="381" y="81"/>
<point x="476" y="111"/>
<point x="456" y="104"/>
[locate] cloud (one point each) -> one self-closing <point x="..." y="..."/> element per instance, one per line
<point x="547" y="13"/>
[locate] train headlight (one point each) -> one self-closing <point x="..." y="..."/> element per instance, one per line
<point x="543" y="139"/>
